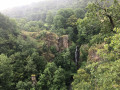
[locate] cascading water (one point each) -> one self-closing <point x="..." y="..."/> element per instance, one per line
<point x="77" y="54"/>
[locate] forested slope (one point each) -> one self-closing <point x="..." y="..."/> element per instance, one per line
<point x="76" y="46"/>
<point x="38" y="11"/>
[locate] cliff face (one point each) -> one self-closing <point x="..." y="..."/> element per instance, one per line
<point x="51" y="39"/>
<point x="60" y="43"/>
<point x="48" y="39"/>
<point x="63" y="42"/>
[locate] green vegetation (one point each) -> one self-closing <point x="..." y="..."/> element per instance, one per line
<point x="37" y="48"/>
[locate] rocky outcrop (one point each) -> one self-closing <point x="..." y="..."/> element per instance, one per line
<point x="92" y="53"/>
<point x="60" y="43"/>
<point x="51" y="39"/>
<point x="63" y="42"/>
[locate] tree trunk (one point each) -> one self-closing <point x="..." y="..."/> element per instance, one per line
<point x="111" y="21"/>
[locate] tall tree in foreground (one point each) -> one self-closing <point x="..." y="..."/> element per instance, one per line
<point x="6" y="73"/>
<point x="108" y="12"/>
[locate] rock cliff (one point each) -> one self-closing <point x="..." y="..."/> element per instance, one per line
<point x="63" y="42"/>
<point x="48" y="39"/>
<point x="60" y="43"/>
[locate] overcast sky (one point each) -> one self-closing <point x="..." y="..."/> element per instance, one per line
<point x="5" y="4"/>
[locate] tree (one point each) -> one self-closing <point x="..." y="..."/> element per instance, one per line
<point x="81" y="81"/>
<point x="59" y="80"/>
<point x="39" y="61"/>
<point x="30" y="68"/>
<point x="59" y="22"/>
<point x="49" y="18"/>
<point x="65" y="13"/>
<point x="6" y="73"/>
<point x="87" y="27"/>
<point x="8" y="34"/>
<point x="21" y="23"/>
<point x="46" y="79"/>
<point x="80" y="13"/>
<point x="107" y="13"/>
<point x="63" y="59"/>
<point x="24" y="85"/>
<point x="52" y="78"/>
<point x="72" y="21"/>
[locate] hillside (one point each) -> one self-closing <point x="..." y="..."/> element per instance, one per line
<point x="63" y="46"/>
<point x="38" y="11"/>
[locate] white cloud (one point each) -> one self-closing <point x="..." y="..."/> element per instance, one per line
<point x="4" y="4"/>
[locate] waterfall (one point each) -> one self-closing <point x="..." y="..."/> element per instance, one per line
<point x="77" y="55"/>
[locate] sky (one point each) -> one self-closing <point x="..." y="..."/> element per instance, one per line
<point x="6" y="4"/>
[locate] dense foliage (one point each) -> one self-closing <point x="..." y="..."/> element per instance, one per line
<point x="32" y="56"/>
